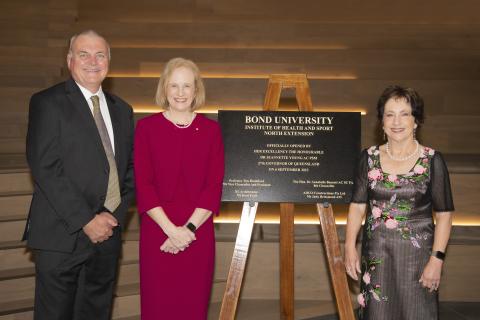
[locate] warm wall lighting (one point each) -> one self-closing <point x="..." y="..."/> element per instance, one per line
<point x="263" y="220"/>
<point x="237" y="75"/>
<point x="147" y="109"/>
<point x="133" y="75"/>
<point x="204" y="109"/>
<point x="256" y="45"/>
<point x="339" y="220"/>
<point x="306" y="214"/>
<point x="214" y="109"/>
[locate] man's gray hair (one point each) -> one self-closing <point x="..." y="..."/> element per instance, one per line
<point x="88" y="33"/>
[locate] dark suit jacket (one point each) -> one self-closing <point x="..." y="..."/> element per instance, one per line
<point x="69" y="166"/>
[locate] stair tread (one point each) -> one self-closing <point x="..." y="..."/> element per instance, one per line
<point x="128" y="289"/>
<point x="15" y="273"/>
<point x="25" y="304"/>
<point x="9" y="274"/>
<point x="4" y="245"/>
<point x="13" y="217"/>
<point x="16" y="193"/>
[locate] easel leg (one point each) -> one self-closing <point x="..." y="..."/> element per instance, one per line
<point x="239" y="259"/>
<point x="335" y="262"/>
<point x="287" y="243"/>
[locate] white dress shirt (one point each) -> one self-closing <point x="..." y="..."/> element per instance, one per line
<point x="103" y="109"/>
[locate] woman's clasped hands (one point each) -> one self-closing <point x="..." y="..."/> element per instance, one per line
<point x="179" y="238"/>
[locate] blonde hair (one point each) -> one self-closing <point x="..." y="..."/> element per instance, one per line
<point x="172" y="65"/>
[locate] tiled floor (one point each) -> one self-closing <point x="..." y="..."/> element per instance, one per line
<point x="308" y="310"/>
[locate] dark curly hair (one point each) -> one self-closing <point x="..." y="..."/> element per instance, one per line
<point x="398" y="92"/>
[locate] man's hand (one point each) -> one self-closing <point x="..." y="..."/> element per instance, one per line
<point x="100" y="228"/>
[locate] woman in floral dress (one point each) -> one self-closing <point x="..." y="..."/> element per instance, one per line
<point x="399" y="185"/>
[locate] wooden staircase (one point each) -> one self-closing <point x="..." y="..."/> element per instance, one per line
<point x="17" y="269"/>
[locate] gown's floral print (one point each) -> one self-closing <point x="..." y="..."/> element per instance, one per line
<point x="398" y="232"/>
<point x="393" y="213"/>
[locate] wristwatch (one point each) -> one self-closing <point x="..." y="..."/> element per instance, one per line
<point x="439" y="254"/>
<point x="190" y="226"/>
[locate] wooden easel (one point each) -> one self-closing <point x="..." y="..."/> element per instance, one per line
<point x="276" y="84"/>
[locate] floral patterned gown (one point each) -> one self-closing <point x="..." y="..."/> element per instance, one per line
<point x="398" y="234"/>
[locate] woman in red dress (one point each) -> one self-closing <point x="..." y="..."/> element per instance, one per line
<point x="179" y="166"/>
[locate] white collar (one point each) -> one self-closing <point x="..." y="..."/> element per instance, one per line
<point x="87" y="94"/>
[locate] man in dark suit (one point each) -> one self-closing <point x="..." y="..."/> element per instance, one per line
<point x="79" y="149"/>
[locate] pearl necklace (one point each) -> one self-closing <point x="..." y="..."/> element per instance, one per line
<point x="391" y="156"/>
<point x="178" y="125"/>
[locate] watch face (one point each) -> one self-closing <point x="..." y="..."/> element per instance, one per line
<point x="191" y="227"/>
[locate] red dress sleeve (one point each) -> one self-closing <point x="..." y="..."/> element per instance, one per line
<point x="211" y="193"/>
<point x="147" y="197"/>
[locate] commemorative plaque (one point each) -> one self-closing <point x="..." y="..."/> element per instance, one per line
<point x="301" y="157"/>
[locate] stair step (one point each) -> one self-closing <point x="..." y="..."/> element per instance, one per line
<point x="12" y="183"/>
<point x="463" y="163"/>
<point x="13" y="217"/>
<point x="31" y="81"/>
<point x="17" y="273"/>
<point x="11" y="231"/>
<point x="14" y="213"/>
<point x="327" y="94"/>
<point x="18" y="262"/>
<point x="15" y="98"/>
<point x="232" y="33"/>
<point x="316" y="63"/>
<point x="14" y="259"/>
<point x="16" y="204"/>
<point x="131" y="235"/>
<point x="128" y="289"/>
<point x="5" y="245"/>
<point x="13" y="193"/>
<point x="12" y="145"/>
<point x="465" y="195"/>
<point x="13" y="163"/>
<point x="125" y="308"/>
<point x="27" y="315"/>
<point x="17" y="294"/>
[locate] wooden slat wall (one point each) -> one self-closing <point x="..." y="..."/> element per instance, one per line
<point x="350" y="51"/>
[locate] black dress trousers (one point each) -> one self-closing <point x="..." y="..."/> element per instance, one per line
<point x="77" y="285"/>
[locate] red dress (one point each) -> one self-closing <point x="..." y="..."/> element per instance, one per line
<point x="178" y="169"/>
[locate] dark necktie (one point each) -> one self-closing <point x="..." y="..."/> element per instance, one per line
<point x="113" y="199"/>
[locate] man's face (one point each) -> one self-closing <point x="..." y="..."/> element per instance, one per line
<point x="88" y="61"/>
